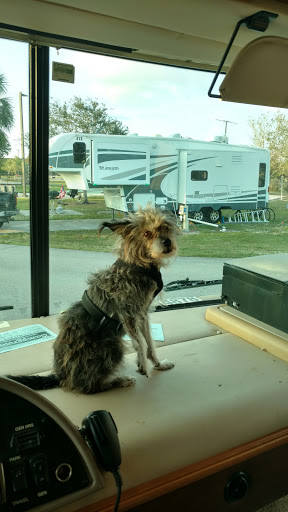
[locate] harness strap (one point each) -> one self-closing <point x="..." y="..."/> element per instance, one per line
<point x="99" y="315"/>
<point x="136" y="271"/>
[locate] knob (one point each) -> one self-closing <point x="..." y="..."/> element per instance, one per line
<point x="236" y="487"/>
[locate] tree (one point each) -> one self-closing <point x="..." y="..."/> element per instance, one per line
<point x="12" y="165"/>
<point x="83" y="116"/>
<point x="6" y="118"/>
<point x="271" y="132"/>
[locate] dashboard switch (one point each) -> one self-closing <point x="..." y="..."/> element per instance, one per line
<point x="18" y="477"/>
<point x="39" y="469"/>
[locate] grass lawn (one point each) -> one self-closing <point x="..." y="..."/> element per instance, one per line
<point x="95" y="209"/>
<point x="239" y="239"/>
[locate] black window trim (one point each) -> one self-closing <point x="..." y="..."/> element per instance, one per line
<point x="200" y="171"/>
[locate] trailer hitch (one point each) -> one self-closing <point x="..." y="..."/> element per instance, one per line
<point x="189" y="283"/>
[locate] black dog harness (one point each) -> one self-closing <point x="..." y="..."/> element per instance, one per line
<point x="99" y="315"/>
<point x="137" y="272"/>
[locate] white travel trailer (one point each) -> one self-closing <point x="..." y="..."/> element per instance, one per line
<point x="165" y="171"/>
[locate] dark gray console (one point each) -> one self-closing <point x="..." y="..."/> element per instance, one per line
<point x="258" y="287"/>
<point x="44" y="461"/>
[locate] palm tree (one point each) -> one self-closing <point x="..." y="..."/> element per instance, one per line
<point x="6" y="117"/>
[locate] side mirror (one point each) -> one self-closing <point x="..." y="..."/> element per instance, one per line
<point x="79" y="152"/>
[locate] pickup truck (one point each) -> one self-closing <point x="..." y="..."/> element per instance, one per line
<point x="8" y="203"/>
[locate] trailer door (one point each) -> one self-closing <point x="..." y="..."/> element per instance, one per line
<point x="121" y="163"/>
<point x="263" y="194"/>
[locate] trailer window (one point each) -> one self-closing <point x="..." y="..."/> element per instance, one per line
<point x="79" y="152"/>
<point x="262" y="175"/>
<point x="199" y="175"/>
<point x="52" y="161"/>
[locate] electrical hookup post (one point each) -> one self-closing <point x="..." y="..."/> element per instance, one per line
<point x="183" y="215"/>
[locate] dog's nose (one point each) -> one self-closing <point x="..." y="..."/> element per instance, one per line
<point x="167" y="242"/>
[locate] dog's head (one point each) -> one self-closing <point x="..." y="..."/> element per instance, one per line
<point x="147" y="236"/>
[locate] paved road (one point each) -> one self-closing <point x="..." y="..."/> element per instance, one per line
<point x="69" y="271"/>
<point x="54" y="225"/>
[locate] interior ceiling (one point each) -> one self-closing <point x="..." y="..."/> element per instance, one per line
<point x="192" y="33"/>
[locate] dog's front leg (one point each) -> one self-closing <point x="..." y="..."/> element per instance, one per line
<point x="151" y="352"/>
<point x="139" y="344"/>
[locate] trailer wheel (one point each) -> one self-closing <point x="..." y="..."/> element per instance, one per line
<point x="214" y="216"/>
<point x="198" y="215"/>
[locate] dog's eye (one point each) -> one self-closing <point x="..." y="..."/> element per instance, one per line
<point x="148" y="234"/>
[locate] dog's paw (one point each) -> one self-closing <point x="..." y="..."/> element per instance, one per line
<point x="142" y="371"/>
<point x="127" y="381"/>
<point x="164" y="365"/>
<point x="142" y="368"/>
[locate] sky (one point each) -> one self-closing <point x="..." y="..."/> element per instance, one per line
<point x="150" y="99"/>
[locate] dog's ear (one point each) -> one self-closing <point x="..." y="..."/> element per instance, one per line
<point x="117" y="226"/>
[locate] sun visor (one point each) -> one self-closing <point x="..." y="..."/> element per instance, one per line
<point x="259" y="74"/>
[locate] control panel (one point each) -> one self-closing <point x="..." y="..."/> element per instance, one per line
<point x="43" y="457"/>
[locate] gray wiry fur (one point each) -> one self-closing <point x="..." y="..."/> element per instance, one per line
<point x="87" y="356"/>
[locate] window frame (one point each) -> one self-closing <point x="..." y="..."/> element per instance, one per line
<point x="205" y="175"/>
<point x="262" y="175"/>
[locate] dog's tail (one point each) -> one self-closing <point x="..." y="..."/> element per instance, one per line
<point x="37" y="382"/>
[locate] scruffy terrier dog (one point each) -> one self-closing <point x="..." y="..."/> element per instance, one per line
<point x="89" y="348"/>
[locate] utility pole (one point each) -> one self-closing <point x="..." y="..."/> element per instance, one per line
<point x="226" y="122"/>
<point x="22" y="142"/>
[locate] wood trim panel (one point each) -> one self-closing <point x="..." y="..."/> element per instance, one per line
<point x="267" y="482"/>
<point x="184" y="477"/>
